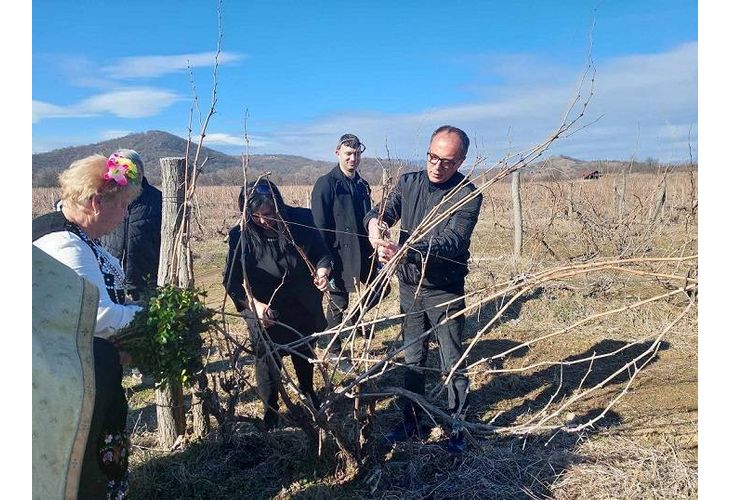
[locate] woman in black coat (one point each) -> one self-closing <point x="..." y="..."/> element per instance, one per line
<point x="287" y="267"/>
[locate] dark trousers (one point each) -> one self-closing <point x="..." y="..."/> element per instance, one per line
<point x="421" y="315"/>
<point x="109" y="417"/>
<point x="268" y="370"/>
<point x="336" y="308"/>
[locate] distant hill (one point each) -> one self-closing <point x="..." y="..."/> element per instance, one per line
<point x="221" y="168"/>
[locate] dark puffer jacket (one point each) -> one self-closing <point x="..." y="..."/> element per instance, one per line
<point x="447" y="245"/>
<point x="136" y="241"/>
<point x="338" y="206"/>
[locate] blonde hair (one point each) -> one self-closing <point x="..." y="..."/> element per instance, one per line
<point x="84" y="178"/>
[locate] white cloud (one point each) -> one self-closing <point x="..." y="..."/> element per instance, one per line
<point x="83" y="72"/>
<point x="113" y="134"/>
<point x="155" y="66"/>
<point x="220" y="139"/>
<point x="130" y="103"/>
<point x="124" y="103"/>
<point x="647" y="104"/>
<point x="642" y="85"/>
<point x="42" y="110"/>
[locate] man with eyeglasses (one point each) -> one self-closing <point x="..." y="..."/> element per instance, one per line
<point x="340" y="200"/>
<point x="431" y="272"/>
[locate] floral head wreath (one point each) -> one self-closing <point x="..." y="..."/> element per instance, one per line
<point x="121" y="170"/>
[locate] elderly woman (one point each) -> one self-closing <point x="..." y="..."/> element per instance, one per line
<point x="286" y="291"/>
<point x="96" y="192"/>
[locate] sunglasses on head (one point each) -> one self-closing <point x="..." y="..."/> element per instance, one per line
<point x="352" y="143"/>
<point x="262" y="188"/>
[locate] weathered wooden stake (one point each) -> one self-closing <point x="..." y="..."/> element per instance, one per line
<point x="571" y="206"/>
<point x="692" y="191"/>
<point x="622" y="197"/>
<point x="173" y="268"/>
<point x="517" y="214"/>
<point x="176" y="268"/>
<point x="661" y="197"/>
<point x="170" y="412"/>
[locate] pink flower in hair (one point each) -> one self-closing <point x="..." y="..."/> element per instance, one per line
<point x="120" y="170"/>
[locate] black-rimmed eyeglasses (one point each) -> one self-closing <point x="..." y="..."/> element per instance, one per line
<point x="446" y="162"/>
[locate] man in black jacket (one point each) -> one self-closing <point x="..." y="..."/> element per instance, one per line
<point x="136" y="241"/>
<point x="432" y="271"/>
<point x="340" y="200"/>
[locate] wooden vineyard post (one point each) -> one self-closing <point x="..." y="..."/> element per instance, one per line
<point x="170" y="412"/>
<point x="659" y="200"/>
<point x="175" y="257"/>
<point x="176" y="269"/>
<point x="571" y="206"/>
<point x="517" y="214"/>
<point x="621" y="194"/>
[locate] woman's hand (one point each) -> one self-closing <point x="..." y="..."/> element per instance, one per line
<point x="125" y="359"/>
<point x="321" y="279"/>
<point x="264" y="313"/>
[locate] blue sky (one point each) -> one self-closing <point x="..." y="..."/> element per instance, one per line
<point x="389" y="72"/>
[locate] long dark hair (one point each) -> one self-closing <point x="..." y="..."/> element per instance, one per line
<point x="257" y="194"/>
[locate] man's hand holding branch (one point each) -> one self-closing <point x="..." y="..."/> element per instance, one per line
<point x="378" y="235"/>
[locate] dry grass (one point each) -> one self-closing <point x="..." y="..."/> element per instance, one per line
<point x="622" y="468"/>
<point x="644" y="447"/>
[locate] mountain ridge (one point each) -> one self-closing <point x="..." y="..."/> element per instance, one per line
<point x="221" y="168"/>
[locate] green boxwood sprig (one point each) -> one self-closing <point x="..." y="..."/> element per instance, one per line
<point x="164" y="338"/>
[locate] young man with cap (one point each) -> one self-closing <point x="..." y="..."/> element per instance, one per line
<point x="340" y="200"/>
<point x="432" y="273"/>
